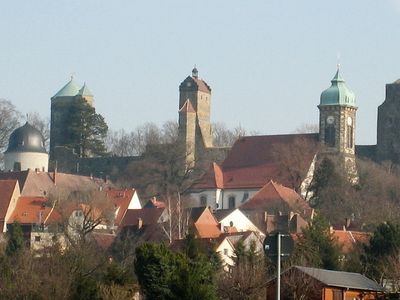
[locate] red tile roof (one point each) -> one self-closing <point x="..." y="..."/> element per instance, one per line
<point x="251" y="162"/>
<point x="204" y="222"/>
<point x="7" y="188"/>
<point x="274" y="195"/>
<point x="147" y="215"/>
<point x="38" y="184"/>
<point x="121" y="200"/>
<point x="34" y="210"/>
<point x="349" y="239"/>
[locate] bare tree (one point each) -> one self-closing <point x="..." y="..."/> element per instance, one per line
<point x="41" y="124"/>
<point x="224" y="137"/>
<point x="10" y="119"/>
<point x="81" y="212"/>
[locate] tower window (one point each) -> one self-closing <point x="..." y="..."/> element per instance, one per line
<point x="330" y="135"/>
<point x="349" y="136"/>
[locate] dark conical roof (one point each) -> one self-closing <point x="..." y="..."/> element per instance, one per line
<point x="26" y="139"/>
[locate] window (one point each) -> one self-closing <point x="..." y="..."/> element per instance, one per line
<point x="37" y="238"/>
<point x="349" y="136"/>
<point x="337" y="295"/>
<point x="203" y="200"/>
<point x="245" y="196"/>
<point x="231" y="202"/>
<point x="330" y="135"/>
<point x="225" y="251"/>
<point x="17" y="166"/>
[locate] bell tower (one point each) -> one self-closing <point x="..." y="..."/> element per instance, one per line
<point x="337" y="121"/>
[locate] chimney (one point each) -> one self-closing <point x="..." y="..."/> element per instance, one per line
<point x="347" y="222"/>
<point x="55" y="176"/>
<point x="140" y="223"/>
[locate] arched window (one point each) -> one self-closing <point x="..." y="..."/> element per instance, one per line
<point x="349" y="136"/>
<point x="330" y="135"/>
<point x="203" y="200"/>
<point x="17" y="166"/>
<point x="231" y="202"/>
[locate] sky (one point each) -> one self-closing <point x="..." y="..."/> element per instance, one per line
<point x="266" y="61"/>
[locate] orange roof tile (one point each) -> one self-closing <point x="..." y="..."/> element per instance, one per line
<point x="38" y="184"/>
<point x="34" y="210"/>
<point x="274" y="195"/>
<point x="251" y="162"/>
<point x="349" y="239"/>
<point x="121" y="200"/>
<point x="7" y="188"/>
<point x="207" y="231"/>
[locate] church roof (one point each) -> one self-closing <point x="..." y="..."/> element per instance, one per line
<point x="84" y="91"/>
<point x="338" y="93"/>
<point x="68" y="90"/>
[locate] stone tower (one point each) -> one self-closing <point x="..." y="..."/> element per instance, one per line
<point x="337" y="121"/>
<point x="194" y="117"/>
<point x="60" y="105"/>
<point x="388" y="135"/>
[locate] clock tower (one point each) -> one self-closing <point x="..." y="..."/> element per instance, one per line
<point x="337" y="121"/>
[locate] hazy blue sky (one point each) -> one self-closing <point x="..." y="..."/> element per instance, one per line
<point x="266" y="61"/>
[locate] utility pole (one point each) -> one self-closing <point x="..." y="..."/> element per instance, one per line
<point x="278" y="268"/>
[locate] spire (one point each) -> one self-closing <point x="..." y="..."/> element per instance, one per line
<point x="84" y="91"/>
<point x="195" y="72"/>
<point x="68" y="90"/>
<point x="337" y="77"/>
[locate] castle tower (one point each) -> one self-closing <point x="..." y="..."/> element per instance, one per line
<point x="388" y="137"/>
<point x="61" y="103"/>
<point x="337" y="123"/>
<point x="26" y="150"/>
<point x="194" y="116"/>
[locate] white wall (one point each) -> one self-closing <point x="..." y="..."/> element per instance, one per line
<point x="240" y="222"/>
<point x="221" y="197"/>
<point x="28" y="160"/>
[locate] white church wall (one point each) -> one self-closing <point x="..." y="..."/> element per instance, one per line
<point x="27" y="160"/>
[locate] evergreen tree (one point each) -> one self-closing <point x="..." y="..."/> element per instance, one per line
<point x="384" y="243"/>
<point x="317" y="247"/>
<point x="87" y="130"/>
<point x="16" y="241"/>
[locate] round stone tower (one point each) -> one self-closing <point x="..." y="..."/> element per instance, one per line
<point x="26" y="150"/>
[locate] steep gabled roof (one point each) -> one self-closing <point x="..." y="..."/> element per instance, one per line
<point x="259" y="150"/>
<point x="7" y="189"/>
<point x="252" y="162"/>
<point x="204" y="222"/>
<point x="349" y="239"/>
<point x="121" y="200"/>
<point x="274" y="194"/>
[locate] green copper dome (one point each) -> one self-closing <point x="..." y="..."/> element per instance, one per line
<point x="338" y="93"/>
<point x="68" y="90"/>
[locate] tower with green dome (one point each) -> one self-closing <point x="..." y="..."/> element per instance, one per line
<point x="60" y="105"/>
<point x="337" y="121"/>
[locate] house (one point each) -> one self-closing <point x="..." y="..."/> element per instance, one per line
<point x="123" y="200"/>
<point x="348" y="239"/>
<point x="203" y="223"/>
<point x="9" y="194"/>
<point x="40" y="184"/>
<point x="251" y="163"/>
<point x="235" y="218"/>
<point x="39" y="222"/>
<point x="314" y="284"/>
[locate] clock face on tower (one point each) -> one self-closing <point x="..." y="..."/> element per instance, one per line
<point x="330" y="120"/>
